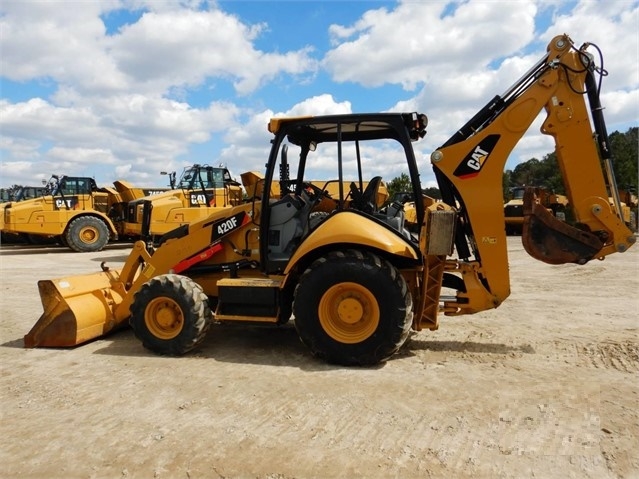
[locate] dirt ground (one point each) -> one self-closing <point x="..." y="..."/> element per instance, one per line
<point x="546" y="386"/>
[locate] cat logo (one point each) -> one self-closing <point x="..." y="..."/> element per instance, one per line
<point x="473" y="163"/>
<point x="200" y="199"/>
<point x="66" y="203"/>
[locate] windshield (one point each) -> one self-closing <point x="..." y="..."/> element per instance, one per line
<point x="203" y="177"/>
<point x="518" y="194"/>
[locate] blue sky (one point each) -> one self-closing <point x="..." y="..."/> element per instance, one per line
<point x="124" y="89"/>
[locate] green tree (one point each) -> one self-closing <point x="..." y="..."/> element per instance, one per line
<point x="398" y="184"/>
<point x="433" y="192"/>
<point x="401" y="184"/>
<point x="625" y="158"/>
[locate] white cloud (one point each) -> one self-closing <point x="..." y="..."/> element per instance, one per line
<point x="460" y="76"/>
<point x="249" y="142"/>
<point x="319" y="105"/>
<point x="113" y="90"/>
<point x="186" y="47"/>
<point x="181" y="74"/>
<point x="417" y="42"/>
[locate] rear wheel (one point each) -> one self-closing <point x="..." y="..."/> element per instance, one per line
<point x="87" y="234"/>
<point x="352" y="308"/>
<point x="170" y="314"/>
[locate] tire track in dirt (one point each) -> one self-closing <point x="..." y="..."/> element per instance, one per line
<point x="621" y="356"/>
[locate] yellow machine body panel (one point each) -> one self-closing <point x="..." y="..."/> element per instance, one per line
<point x="201" y="190"/>
<point x="351" y="229"/>
<point x="175" y="208"/>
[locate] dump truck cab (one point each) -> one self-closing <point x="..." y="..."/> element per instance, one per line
<point x="201" y="190"/>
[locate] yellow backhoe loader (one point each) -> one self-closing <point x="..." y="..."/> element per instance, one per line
<point x="72" y="210"/>
<point x="358" y="281"/>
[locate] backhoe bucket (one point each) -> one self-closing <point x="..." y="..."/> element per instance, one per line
<point x="552" y="241"/>
<point x="77" y="309"/>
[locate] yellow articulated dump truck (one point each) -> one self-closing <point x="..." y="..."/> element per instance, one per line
<point x="73" y="210"/>
<point x="357" y="282"/>
<point x="200" y="191"/>
<point x="629" y="205"/>
<point x="17" y="193"/>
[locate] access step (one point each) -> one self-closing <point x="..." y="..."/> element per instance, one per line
<point x="248" y="299"/>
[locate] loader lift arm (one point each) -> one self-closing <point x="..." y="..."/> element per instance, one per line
<point x="469" y="169"/>
<point x="77" y="309"/>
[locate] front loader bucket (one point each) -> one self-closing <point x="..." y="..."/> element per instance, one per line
<point x="77" y="309"/>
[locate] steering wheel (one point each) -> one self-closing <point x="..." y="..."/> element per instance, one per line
<point x="315" y="193"/>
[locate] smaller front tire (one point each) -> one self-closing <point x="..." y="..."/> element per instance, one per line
<point x="170" y="314"/>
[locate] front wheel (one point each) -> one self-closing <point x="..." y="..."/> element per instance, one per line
<point x="352" y="308"/>
<point x="170" y="314"/>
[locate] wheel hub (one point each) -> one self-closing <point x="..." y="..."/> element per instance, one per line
<point x="349" y="313"/>
<point x="88" y="235"/>
<point x="350" y="310"/>
<point x="164" y="318"/>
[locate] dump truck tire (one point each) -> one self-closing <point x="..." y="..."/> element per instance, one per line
<point x="170" y="314"/>
<point x="352" y="308"/>
<point x="87" y="234"/>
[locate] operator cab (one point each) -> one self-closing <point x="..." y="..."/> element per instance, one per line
<point x="341" y="148"/>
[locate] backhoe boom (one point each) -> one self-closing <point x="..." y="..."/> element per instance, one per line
<point x="469" y="169"/>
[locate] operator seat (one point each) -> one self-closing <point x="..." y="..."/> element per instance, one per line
<point x="287" y="225"/>
<point x="366" y="201"/>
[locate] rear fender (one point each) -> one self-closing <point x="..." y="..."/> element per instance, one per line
<point x="354" y="229"/>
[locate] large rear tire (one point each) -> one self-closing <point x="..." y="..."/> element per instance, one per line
<point x="352" y="308"/>
<point x="87" y="234"/>
<point x="170" y="314"/>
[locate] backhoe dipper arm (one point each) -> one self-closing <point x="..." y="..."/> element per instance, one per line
<point x="469" y="169"/>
